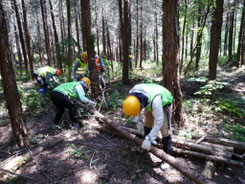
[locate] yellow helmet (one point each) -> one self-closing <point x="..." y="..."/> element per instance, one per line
<point x="87" y="80"/>
<point x="131" y="106"/>
<point x="84" y="56"/>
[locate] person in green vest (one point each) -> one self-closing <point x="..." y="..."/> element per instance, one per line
<point x="80" y="67"/>
<point x="62" y="96"/>
<point x="44" y="74"/>
<point x="156" y="100"/>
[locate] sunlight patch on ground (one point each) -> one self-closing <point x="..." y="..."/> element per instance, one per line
<point x="87" y="176"/>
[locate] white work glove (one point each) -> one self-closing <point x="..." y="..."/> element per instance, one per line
<point x="92" y="103"/>
<point x="146" y="144"/>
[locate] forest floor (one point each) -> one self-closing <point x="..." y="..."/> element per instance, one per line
<point x="89" y="155"/>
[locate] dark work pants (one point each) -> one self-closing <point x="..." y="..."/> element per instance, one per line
<point x="61" y="102"/>
<point x="166" y="141"/>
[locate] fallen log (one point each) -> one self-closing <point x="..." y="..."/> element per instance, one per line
<point x="202" y="148"/>
<point x="13" y="163"/>
<point x="239" y="146"/>
<point x="209" y="157"/>
<point x="175" y="163"/>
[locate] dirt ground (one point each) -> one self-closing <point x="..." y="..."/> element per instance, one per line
<point x="92" y="155"/>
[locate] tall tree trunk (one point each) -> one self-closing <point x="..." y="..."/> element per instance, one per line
<point x="46" y="32"/>
<point x="28" y="40"/>
<point x="86" y="19"/>
<point x="9" y="85"/>
<point x="97" y="29"/>
<point x="84" y="31"/>
<point x="18" y="49"/>
<point x="215" y="38"/>
<point x="56" y="38"/>
<point x="103" y="34"/>
<point x="125" y="77"/>
<point x="22" y="41"/>
<point x="226" y="33"/>
<point x="183" y="38"/>
<point x="39" y="40"/>
<point x="137" y="34"/>
<point x="76" y="23"/>
<point x="234" y="36"/>
<point x="121" y="30"/>
<point x="156" y="42"/>
<point x="171" y="57"/>
<point x="241" y="35"/>
<point x="230" y="46"/>
<point x="141" y="34"/>
<point x="69" y="63"/>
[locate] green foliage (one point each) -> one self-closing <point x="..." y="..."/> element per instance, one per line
<point x="186" y="133"/>
<point x="199" y="79"/>
<point x="33" y="100"/>
<point x="114" y="99"/>
<point x="13" y="180"/>
<point x="230" y="106"/>
<point x="210" y="88"/>
<point x="237" y="129"/>
<point x="77" y="152"/>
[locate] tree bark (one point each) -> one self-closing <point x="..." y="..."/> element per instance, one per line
<point x="28" y="40"/>
<point x="141" y="34"/>
<point x="18" y="50"/>
<point x="89" y="39"/>
<point x="230" y="46"/>
<point x="226" y="33"/>
<point x="183" y="38"/>
<point x="137" y="34"/>
<point x="103" y="34"/>
<point x="70" y="59"/>
<point x="241" y="35"/>
<point x="46" y="32"/>
<point x="171" y="57"/>
<point x="39" y="42"/>
<point x="9" y="85"/>
<point x="97" y="30"/>
<point x="121" y="30"/>
<point x="125" y="77"/>
<point x="22" y="41"/>
<point x="215" y="38"/>
<point x="56" y="38"/>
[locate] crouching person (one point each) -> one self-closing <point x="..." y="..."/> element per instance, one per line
<point x="62" y="97"/>
<point x="156" y="100"/>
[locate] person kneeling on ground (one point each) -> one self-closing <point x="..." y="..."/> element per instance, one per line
<point x="157" y="103"/>
<point x="43" y="75"/>
<point x="62" y="97"/>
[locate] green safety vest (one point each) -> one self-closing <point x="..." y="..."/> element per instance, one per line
<point x="154" y="90"/>
<point x="68" y="89"/>
<point x="82" y="69"/>
<point x="43" y="71"/>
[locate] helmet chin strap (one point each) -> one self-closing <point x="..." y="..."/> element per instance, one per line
<point x="142" y="98"/>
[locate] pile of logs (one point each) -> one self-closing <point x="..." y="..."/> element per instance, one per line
<point x="218" y="150"/>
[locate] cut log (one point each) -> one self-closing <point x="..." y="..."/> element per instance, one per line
<point x="218" y="159"/>
<point x="175" y="163"/>
<point x="202" y="148"/>
<point x="239" y="146"/>
<point x="13" y="163"/>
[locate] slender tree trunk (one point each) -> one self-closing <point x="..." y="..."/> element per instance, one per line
<point x="230" y="46"/>
<point x="125" y="77"/>
<point x="9" y="85"/>
<point x="141" y="35"/>
<point x="86" y="19"/>
<point x="226" y="33"/>
<point x="56" y="38"/>
<point x="97" y="29"/>
<point x="234" y="40"/>
<point x="46" y="32"/>
<point x="137" y="34"/>
<point x="183" y="38"/>
<point x="68" y="4"/>
<point x="241" y="35"/>
<point x="171" y="57"/>
<point x="18" y="49"/>
<point x="121" y="30"/>
<point x="28" y="40"/>
<point x="215" y="38"/>
<point x="40" y="47"/>
<point x="76" y="23"/>
<point x="156" y="28"/>
<point x="103" y="34"/>
<point x="22" y="41"/>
